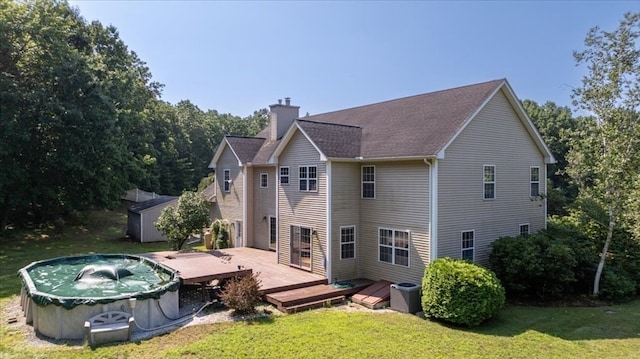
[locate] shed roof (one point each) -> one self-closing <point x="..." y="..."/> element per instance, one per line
<point x="142" y="206"/>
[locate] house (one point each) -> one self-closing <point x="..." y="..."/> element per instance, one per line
<point x="142" y="216"/>
<point x="379" y="191"/>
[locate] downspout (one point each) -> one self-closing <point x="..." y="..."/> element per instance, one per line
<point x="329" y="220"/>
<point x="277" y="180"/>
<point x="433" y="207"/>
<point x="245" y="200"/>
<point x="545" y="197"/>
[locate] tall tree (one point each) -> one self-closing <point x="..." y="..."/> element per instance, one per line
<point x="606" y="162"/>
<point x="560" y="130"/>
<point x="71" y="97"/>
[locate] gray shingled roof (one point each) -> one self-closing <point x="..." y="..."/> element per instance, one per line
<point x="245" y="148"/>
<point x="141" y="206"/>
<point x="419" y="125"/>
<point x="412" y="126"/>
<point x="334" y="140"/>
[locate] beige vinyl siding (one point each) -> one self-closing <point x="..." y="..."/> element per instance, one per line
<point x="229" y="203"/>
<point x="147" y="219"/>
<point x="305" y="209"/>
<point x="263" y="206"/>
<point x="345" y="202"/>
<point x="496" y="136"/>
<point x="401" y="203"/>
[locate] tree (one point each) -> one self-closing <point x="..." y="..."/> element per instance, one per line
<point x="605" y="163"/>
<point x="71" y="96"/>
<point x="190" y="216"/>
<point x="559" y="129"/>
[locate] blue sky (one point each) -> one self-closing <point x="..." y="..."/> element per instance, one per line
<point x="237" y="57"/>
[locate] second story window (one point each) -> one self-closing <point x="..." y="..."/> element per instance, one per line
<point x="264" y="180"/>
<point x="368" y="182"/>
<point x="284" y="175"/>
<point x="227" y="180"/>
<point x="489" y="182"/>
<point x="308" y="177"/>
<point x="535" y="181"/>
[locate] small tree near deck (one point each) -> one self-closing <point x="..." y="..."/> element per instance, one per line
<point x="191" y="215"/>
<point x="605" y="163"/>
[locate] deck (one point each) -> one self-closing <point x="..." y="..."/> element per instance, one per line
<point x="290" y="289"/>
<point x="315" y="296"/>
<point x="204" y="267"/>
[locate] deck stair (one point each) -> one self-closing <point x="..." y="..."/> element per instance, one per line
<point x="315" y="296"/>
<point x="375" y="296"/>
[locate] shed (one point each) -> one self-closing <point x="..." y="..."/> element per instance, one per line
<point x="141" y="216"/>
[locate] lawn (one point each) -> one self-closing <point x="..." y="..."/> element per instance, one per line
<point x="518" y="332"/>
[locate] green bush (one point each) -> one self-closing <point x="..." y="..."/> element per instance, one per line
<point x="461" y="292"/>
<point x="546" y="265"/>
<point x="616" y="285"/>
<point x="242" y="294"/>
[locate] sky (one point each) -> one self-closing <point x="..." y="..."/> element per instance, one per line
<point x="238" y="57"/>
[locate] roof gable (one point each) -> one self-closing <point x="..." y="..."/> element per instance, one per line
<point x="333" y="140"/>
<point x="244" y="149"/>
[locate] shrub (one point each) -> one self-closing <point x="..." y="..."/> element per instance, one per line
<point x="616" y="285"/>
<point x="461" y="292"/>
<point x="533" y="267"/>
<point x="242" y="294"/>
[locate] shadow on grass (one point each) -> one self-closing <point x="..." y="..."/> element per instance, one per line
<point x="568" y="323"/>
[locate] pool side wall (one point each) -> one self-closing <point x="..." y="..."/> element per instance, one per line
<point x="59" y="323"/>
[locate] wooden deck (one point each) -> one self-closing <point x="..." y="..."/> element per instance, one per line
<point x="375" y="296"/>
<point x="290" y="289"/>
<point x="314" y="296"/>
<point x="203" y="267"/>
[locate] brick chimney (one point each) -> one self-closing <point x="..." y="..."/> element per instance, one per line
<point x="281" y="117"/>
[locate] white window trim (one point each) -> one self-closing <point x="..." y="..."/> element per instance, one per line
<point x="270" y="218"/>
<point x="288" y="176"/>
<point x="226" y="180"/>
<point x="311" y="234"/>
<point x="472" y="248"/>
<point x="393" y="246"/>
<point x="307" y="179"/>
<point x="484" y="197"/>
<point x="354" y="242"/>
<point x="266" y="176"/>
<point x="531" y="181"/>
<point x="362" y="182"/>
<point x="528" y="229"/>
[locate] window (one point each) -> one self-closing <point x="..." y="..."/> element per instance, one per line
<point x="524" y="230"/>
<point x="272" y="232"/>
<point x="284" y="175"/>
<point x="227" y="181"/>
<point x="308" y="177"/>
<point x="347" y="242"/>
<point x="489" y="181"/>
<point x="300" y="255"/>
<point x="535" y="181"/>
<point x="393" y="246"/>
<point x="264" y="180"/>
<point x="467" y="245"/>
<point x="368" y="182"/>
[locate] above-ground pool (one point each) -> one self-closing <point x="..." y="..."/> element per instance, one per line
<point x="58" y="295"/>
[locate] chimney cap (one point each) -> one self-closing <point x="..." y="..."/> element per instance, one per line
<point x="287" y="101"/>
<point x="279" y="101"/>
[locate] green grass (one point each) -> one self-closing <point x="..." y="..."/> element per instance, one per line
<point x="518" y="332"/>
